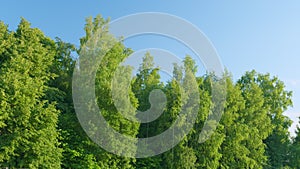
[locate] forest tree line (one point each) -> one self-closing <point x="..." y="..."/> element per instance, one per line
<point x="39" y="127"/>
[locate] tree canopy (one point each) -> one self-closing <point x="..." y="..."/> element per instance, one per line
<point x="39" y="127"/>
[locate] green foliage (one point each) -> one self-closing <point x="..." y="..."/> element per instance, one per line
<point x="146" y="81"/>
<point x="28" y="134"/>
<point x="294" y="156"/>
<point x="39" y="127"/>
<point x="276" y="101"/>
<point x="180" y="99"/>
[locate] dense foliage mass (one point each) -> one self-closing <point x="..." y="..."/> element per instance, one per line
<point x="39" y="127"/>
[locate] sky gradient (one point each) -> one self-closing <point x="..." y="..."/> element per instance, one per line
<point x="264" y="36"/>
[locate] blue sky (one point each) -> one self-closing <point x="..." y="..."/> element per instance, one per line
<point x="264" y="36"/>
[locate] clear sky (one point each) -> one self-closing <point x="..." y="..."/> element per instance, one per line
<point x="264" y="36"/>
